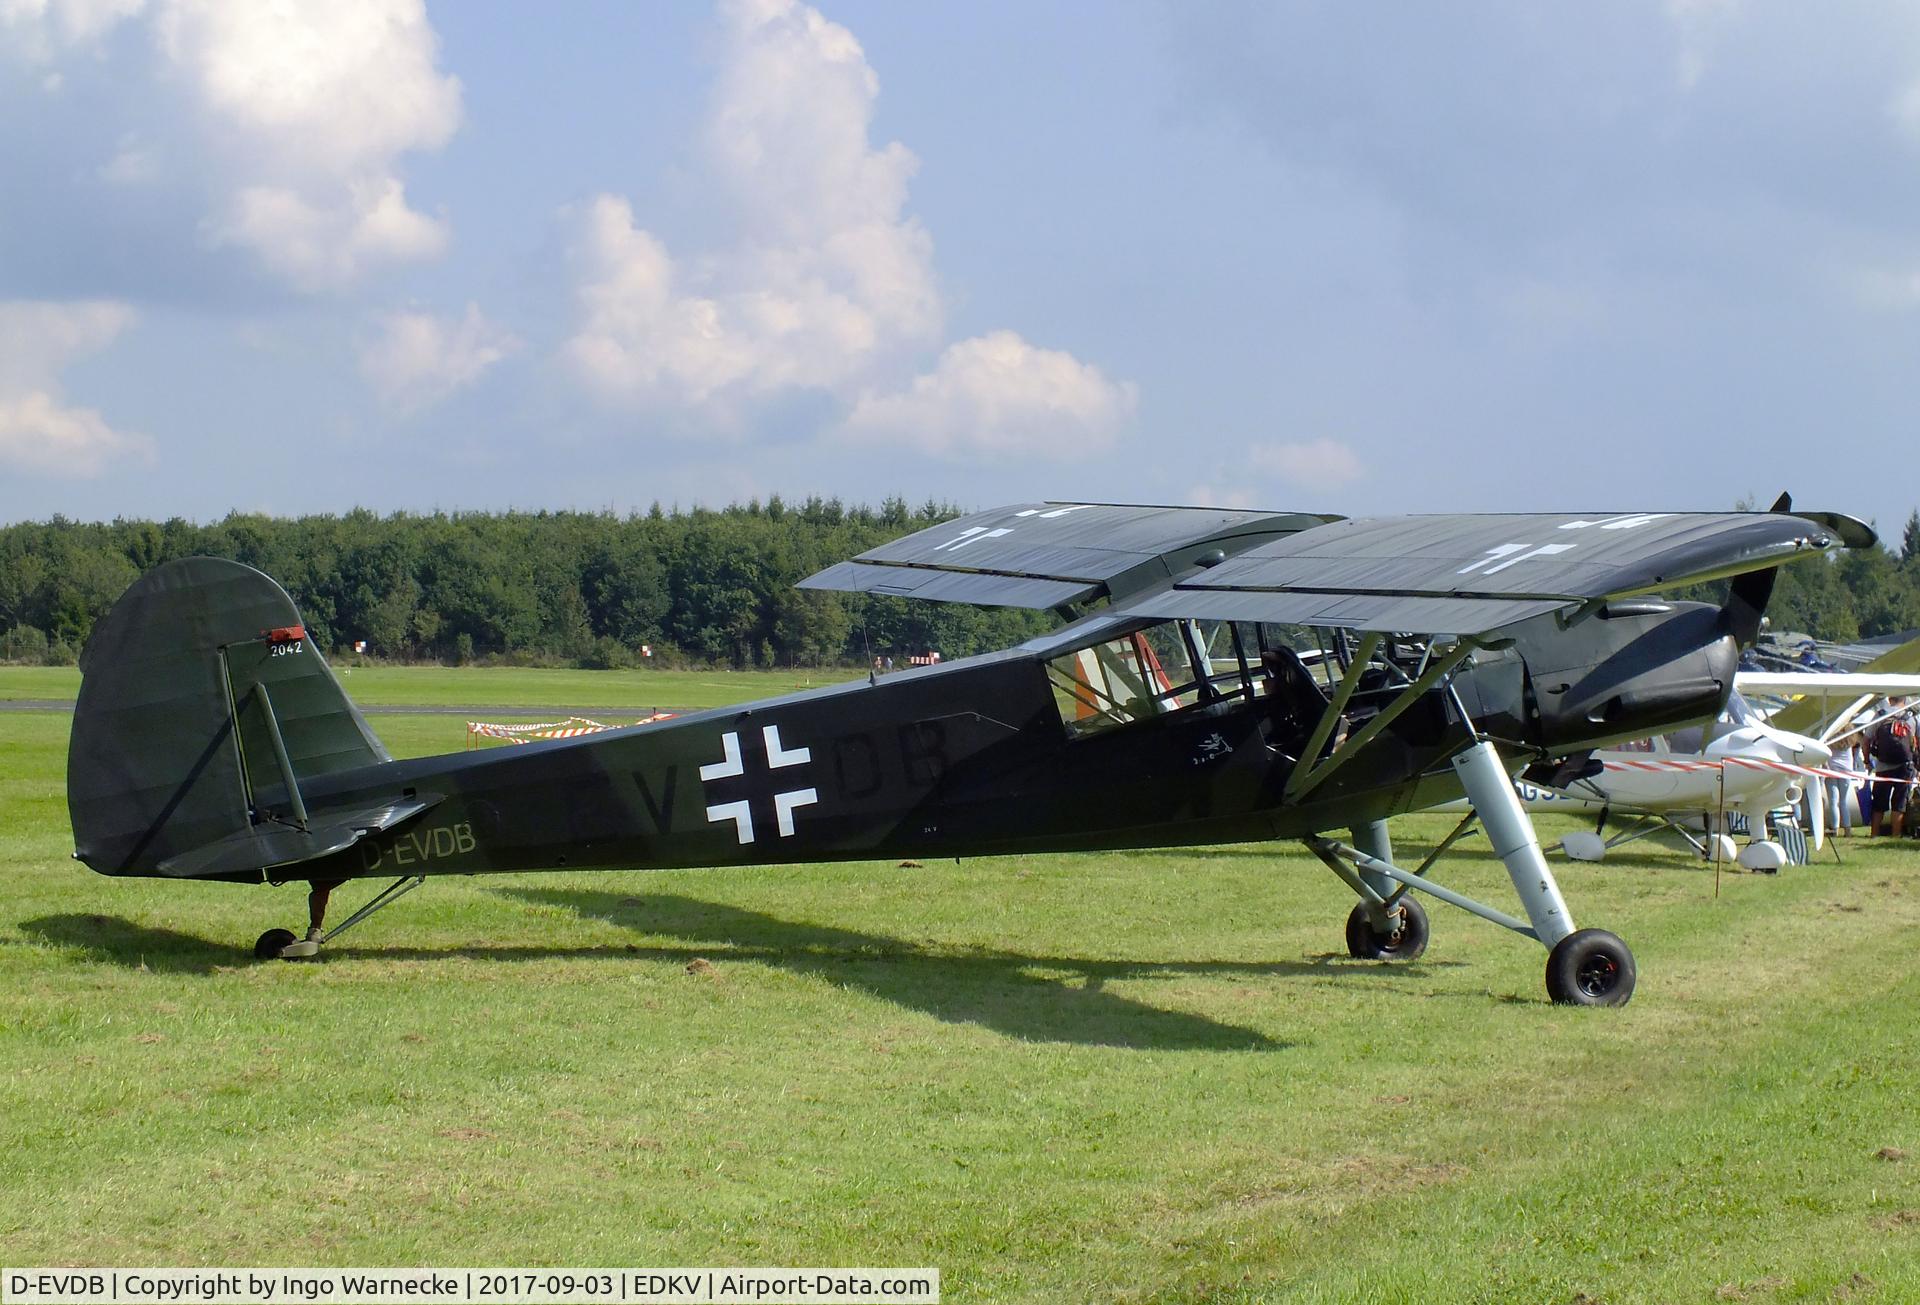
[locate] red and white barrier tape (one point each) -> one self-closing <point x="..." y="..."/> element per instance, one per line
<point x="571" y="727"/>
<point x="1755" y="763"/>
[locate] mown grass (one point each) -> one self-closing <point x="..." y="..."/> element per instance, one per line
<point x="440" y="686"/>
<point x="1151" y="1076"/>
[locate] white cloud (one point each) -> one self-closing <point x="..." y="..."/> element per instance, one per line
<point x="1315" y="464"/>
<point x="996" y="396"/>
<point x="830" y="286"/>
<point x="41" y="29"/>
<point x="828" y="278"/>
<point x="38" y="431"/>
<point x="303" y="113"/>
<point x="418" y="359"/>
<point x="134" y="163"/>
<point x="314" y="104"/>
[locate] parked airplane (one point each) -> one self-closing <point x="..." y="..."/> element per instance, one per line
<point x="1690" y="781"/>
<point x="211" y="741"/>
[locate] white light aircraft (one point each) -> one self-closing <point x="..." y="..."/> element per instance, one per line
<point x="1691" y="783"/>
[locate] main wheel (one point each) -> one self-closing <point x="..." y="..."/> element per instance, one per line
<point x="1404" y="943"/>
<point x="267" y="946"/>
<point x="1590" y="968"/>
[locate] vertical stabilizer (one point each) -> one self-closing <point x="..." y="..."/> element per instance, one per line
<point x="201" y="695"/>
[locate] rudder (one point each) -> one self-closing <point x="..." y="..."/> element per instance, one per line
<point x="185" y="684"/>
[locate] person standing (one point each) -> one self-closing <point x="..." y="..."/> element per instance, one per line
<point x="1840" y="792"/>
<point x="1891" y="752"/>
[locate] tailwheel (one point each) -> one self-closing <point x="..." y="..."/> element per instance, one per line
<point x="1403" y="943"/>
<point x="1590" y="967"/>
<point x="268" y="946"/>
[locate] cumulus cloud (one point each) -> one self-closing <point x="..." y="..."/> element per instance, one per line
<point x="39" y="432"/>
<point x="830" y="286"/>
<point x="416" y="359"/>
<point x="315" y="104"/>
<point x="43" y="29"/>
<point x="302" y="111"/>
<point x="996" y="395"/>
<point x="829" y="274"/>
<point x="1315" y="464"/>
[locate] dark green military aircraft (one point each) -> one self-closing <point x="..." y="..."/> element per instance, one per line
<point x="1221" y="676"/>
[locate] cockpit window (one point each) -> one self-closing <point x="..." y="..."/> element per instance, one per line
<point x="1175" y="666"/>
<point x="1135" y="677"/>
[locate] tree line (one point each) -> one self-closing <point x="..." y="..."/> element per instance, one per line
<point x="568" y="588"/>
<point x="700" y="586"/>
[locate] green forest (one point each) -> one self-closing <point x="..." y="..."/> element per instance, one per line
<point x="700" y="586"/>
<point x="560" y="588"/>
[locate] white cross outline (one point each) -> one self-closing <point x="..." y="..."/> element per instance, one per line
<point x="729" y="764"/>
<point x="1056" y="512"/>
<point x="741" y="813"/>
<point x="732" y="765"/>
<point x="784" y="803"/>
<point x="972" y="535"/>
<point x="1625" y="521"/>
<point x="778" y="756"/>
<point x="1508" y="551"/>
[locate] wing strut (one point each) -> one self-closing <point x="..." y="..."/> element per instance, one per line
<point x="1305" y="780"/>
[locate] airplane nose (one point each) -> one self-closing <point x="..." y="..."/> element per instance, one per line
<point x="1634" y="671"/>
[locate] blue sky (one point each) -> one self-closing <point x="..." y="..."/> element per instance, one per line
<point x="1311" y="255"/>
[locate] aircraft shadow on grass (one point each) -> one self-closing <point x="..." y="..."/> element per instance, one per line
<point x="116" y="941"/>
<point x="1034" y="998"/>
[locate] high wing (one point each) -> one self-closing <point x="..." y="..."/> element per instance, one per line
<point x="1043" y="555"/>
<point x="1466" y="574"/>
<point x="1813" y="714"/>
<point x="1826" y="684"/>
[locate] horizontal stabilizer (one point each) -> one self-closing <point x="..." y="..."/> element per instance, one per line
<point x="1044" y="555"/>
<point x="267" y="847"/>
<point x="1466" y="574"/>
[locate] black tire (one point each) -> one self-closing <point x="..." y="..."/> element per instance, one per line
<point x="267" y="946"/>
<point x="1366" y="943"/>
<point x="1590" y="968"/>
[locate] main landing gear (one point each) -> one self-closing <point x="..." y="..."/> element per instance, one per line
<point x="285" y="945"/>
<point x="1585" y="967"/>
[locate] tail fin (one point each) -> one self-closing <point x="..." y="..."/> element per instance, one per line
<point x="202" y="704"/>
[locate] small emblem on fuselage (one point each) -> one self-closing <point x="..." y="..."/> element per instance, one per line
<point x="734" y="765"/>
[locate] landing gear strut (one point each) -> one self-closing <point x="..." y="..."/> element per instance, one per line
<point x="284" y="944"/>
<point x="1585" y="967"/>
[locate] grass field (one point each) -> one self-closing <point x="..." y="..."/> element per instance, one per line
<point x="1152" y="1076"/>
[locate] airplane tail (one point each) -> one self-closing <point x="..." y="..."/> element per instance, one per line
<point x="202" y="706"/>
